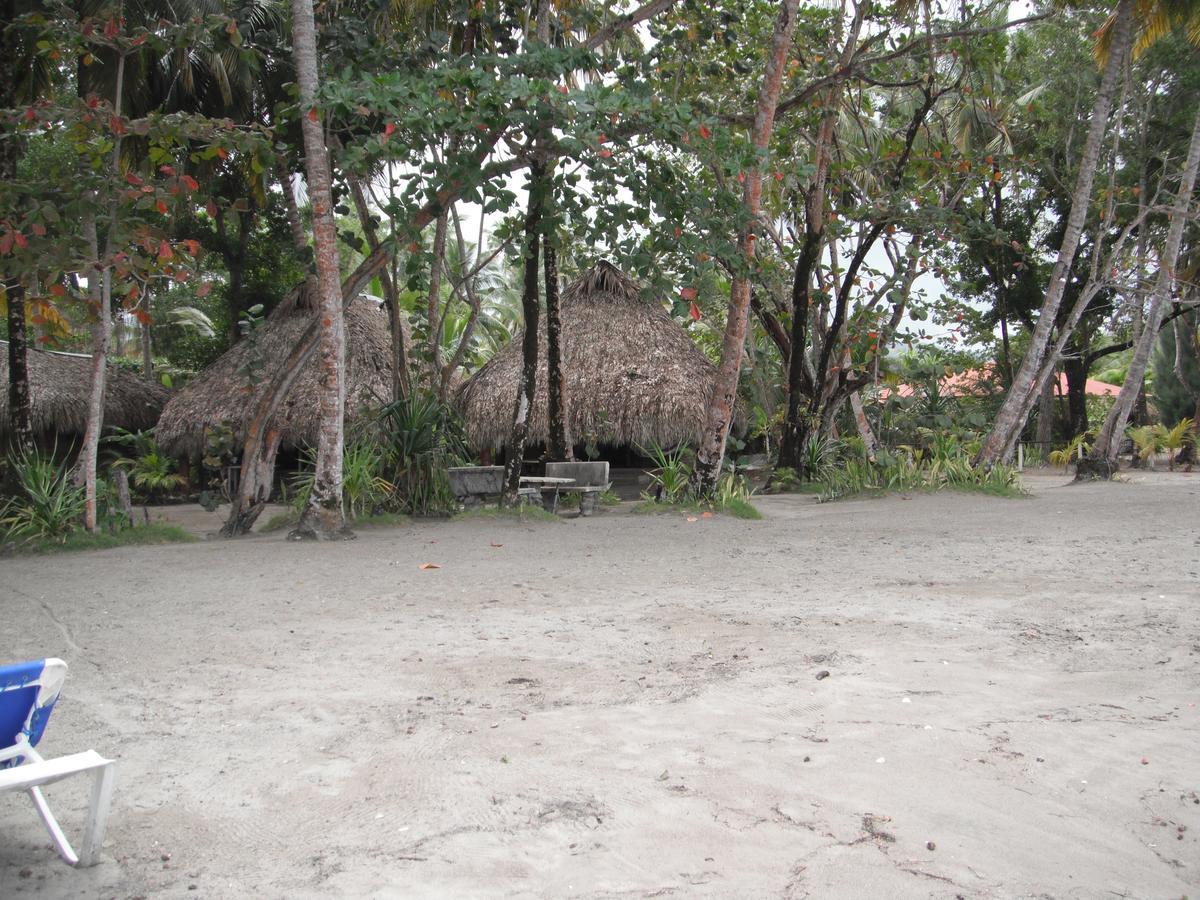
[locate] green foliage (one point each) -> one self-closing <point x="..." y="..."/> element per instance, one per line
<point x="671" y="474"/>
<point x="1078" y="446"/>
<point x="48" y="505"/>
<point x="1176" y="400"/>
<point x="944" y="462"/>
<point x="364" y="489"/>
<point x="420" y="438"/>
<point x="106" y="540"/>
<point x="1147" y="441"/>
<point x="150" y="469"/>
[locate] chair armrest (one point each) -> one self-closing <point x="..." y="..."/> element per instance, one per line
<point x="22" y="778"/>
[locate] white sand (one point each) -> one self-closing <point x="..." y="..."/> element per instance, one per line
<point x="627" y="706"/>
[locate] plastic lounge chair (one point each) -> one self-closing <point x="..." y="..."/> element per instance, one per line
<point x="27" y="694"/>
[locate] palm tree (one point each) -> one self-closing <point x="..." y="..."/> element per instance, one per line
<point x="1133" y="28"/>
<point x="324" y="517"/>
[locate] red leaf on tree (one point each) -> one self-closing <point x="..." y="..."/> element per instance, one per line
<point x="563" y="89"/>
<point x="192" y="183"/>
<point x="38" y="228"/>
<point x="30" y="115"/>
<point x="389" y="129"/>
<point x="688" y="293"/>
<point x="116" y="125"/>
<point x="161" y="206"/>
<point x="603" y="139"/>
<point x="222" y="153"/>
<point x="231" y="28"/>
<point x="191" y="246"/>
<point x="6" y="243"/>
<point x="21" y="240"/>
<point x="37" y="319"/>
<point x="139" y="40"/>
<point x="133" y="179"/>
<point x="110" y="29"/>
<point x="203" y="290"/>
<point x="167" y="170"/>
<point x="605" y="153"/>
<point x="779" y="176"/>
<point x="142" y="316"/>
<point x="211" y="209"/>
<point x="312" y="115"/>
<point x="678" y="231"/>
<point x="57" y="290"/>
<point x="694" y="311"/>
<point x="705" y="133"/>
<point x="164" y="250"/>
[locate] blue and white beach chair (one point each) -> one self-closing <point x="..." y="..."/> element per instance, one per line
<point x="27" y="695"/>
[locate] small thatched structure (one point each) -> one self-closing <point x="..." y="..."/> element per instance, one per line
<point x="60" y="385"/>
<point x="223" y="392"/>
<point x="633" y="376"/>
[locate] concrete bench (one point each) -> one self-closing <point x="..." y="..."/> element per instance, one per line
<point x="591" y="480"/>
<point x="473" y="486"/>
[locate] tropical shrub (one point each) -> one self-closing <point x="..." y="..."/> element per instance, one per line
<point x="672" y="472"/>
<point x="420" y="438"/>
<point x="47" y="505"/>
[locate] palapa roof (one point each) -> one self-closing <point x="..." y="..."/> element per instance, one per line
<point x="633" y="376"/>
<point x="223" y="392"/>
<point x="59" y="388"/>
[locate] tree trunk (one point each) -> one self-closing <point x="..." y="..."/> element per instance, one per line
<point x="324" y="518"/>
<point x="147" y="340"/>
<point x="559" y="411"/>
<point x="864" y="427"/>
<point x="527" y="387"/>
<point x="20" y="406"/>
<point x="1045" y="422"/>
<point x="1075" y="368"/>
<point x="1104" y="451"/>
<point x="390" y="294"/>
<point x="434" y="301"/>
<point x="720" y="406"/>
<point x="100" y="294"/>
<point x="1010" y="420"/>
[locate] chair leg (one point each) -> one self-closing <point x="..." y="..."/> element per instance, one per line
<point x="61" y="844"/>
<point x="97" y="818"/>
<point x="93" y="835"/>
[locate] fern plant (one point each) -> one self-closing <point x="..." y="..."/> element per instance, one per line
<point x="48" y="505"/>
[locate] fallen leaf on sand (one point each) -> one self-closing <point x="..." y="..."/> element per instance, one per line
<point x="692" y="519"/>
<point x="430" y="566"/>
<point x="494" y="544"/>
<point x="706" y="515"/>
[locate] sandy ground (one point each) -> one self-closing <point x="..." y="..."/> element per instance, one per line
<point x="629" y="706"/>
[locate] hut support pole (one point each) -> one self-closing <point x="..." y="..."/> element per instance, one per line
<point x="529" y="342"/>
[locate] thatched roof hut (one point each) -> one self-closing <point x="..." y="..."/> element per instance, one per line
<point x="223" y="392"/>
<point x="633" y="375"/>
<point x="59" y="387"/>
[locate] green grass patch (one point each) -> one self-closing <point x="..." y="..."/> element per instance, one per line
<point x="522" y="513"/>
<point x="83" y="540"/>
<point x="736" y="507"/>
<point x="280" y="521"/>
<point x="382" y="520"/>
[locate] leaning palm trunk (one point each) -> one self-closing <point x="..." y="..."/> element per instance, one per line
<point x="720" y="408"/>
<point x="1102" y="460"/>
<point x="1010" y="420"/>
<point x="324" y="517"/>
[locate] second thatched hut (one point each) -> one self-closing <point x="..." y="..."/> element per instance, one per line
<point x="633" y="376"/>
<point x="60" y="385"/>
<point x="221" y="394"/>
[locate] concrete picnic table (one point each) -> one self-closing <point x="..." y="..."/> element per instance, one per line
<point x="549" y="488"/>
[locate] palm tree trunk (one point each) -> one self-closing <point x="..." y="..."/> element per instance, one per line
<point x="1102" y="461"/>
<point x="720" y="407"/>
<point x="529" y="342"/>
<point x="324" y="518"/>
<point x="558" y="414"/>
<point x="998" y="444"/>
